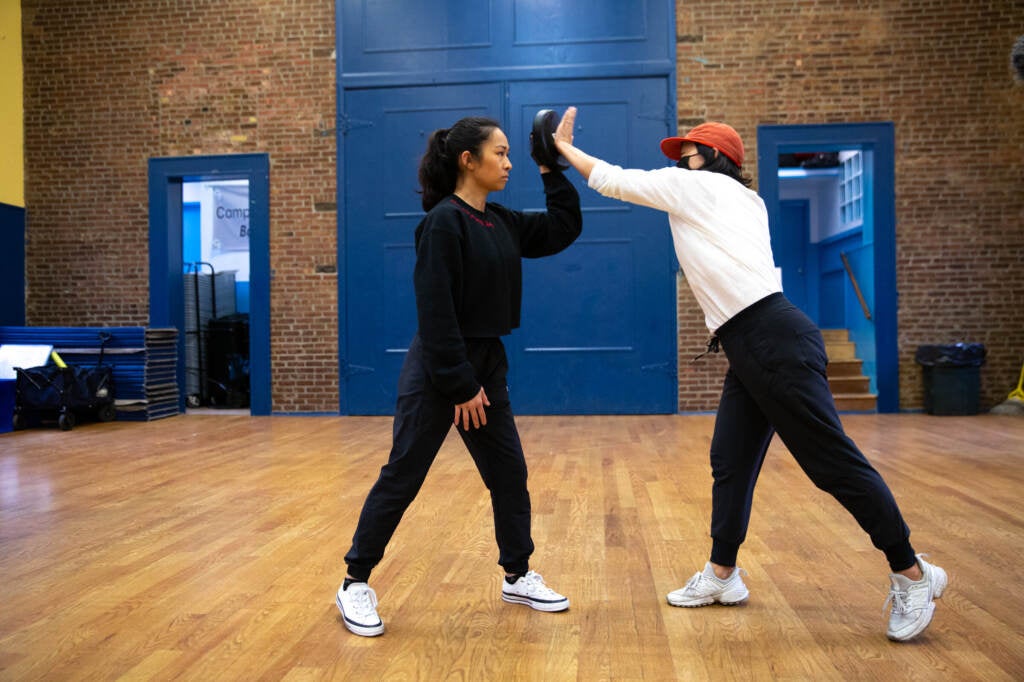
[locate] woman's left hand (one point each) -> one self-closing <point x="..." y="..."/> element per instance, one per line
<point x="472" y="411"/>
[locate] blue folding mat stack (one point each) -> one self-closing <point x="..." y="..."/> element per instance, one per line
<point x="144" y="362"/>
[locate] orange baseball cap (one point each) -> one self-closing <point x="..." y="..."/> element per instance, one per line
<point x="718" y="136"/>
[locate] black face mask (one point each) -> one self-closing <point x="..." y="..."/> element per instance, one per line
<point x="684" y="161"/>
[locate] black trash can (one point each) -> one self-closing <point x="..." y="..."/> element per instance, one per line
<point x="952" y="378"/>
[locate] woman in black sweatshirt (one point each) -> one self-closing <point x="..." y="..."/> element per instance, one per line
<point x="468" y="281"/>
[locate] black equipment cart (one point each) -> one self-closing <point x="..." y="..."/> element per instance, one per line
<point x="51" y="391"/>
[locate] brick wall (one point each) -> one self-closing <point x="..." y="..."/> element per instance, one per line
<point x="110" y="85"/>
<point x="941" y="72"/>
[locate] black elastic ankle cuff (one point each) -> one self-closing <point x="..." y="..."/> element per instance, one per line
<point x="724" y="553"/>
<point x="357" y="575"/>
<point x="901" y="556"/>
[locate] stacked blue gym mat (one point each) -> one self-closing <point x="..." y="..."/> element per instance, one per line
<point x="144" y="362"/>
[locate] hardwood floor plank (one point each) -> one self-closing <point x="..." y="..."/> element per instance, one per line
<point x="209" y="547"/>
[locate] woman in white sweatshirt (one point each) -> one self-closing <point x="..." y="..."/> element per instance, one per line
<point x="776" y="380"/>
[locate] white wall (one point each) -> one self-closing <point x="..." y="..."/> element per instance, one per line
<point x="820" y="187"/>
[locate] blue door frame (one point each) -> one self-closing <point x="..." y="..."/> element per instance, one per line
<point x="878" y="138"/>
<point x="166" y="286"/>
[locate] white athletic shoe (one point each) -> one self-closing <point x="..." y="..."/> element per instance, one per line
<point x="531" y="590"/>
<point x="705" y="588"/>
<point x="358" y="606"/>
<point x="912" y="601"/>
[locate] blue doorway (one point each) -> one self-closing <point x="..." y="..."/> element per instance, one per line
<point x="166" y="251"/>
<point x="852" y="272"/>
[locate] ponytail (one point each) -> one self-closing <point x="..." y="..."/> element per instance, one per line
<point x="439" y="167"/>
<point x="438" y="172"/>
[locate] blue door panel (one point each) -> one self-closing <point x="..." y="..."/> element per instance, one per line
<point x="598" y="332"/>
<point x="388" y="135"/>
<point x="458" y="41"/>
<point x="598" y="320"/>
<point x="789" y="246"/>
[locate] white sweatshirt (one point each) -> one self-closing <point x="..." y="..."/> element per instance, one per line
<point x="719" y="227"/>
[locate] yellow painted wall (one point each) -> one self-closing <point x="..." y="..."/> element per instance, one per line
<point x="12" y="113"/>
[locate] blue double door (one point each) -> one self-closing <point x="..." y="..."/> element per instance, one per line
<point x="598" y="332"/>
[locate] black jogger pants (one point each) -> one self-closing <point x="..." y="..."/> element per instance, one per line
<point x="776" y="383"/>
<point x="423" y="418"/>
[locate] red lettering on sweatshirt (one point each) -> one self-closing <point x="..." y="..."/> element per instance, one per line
<point x="473" y="216"/>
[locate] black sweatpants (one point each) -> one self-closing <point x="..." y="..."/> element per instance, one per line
<point x="423" y="418"/>
<point x="776" y="383"/>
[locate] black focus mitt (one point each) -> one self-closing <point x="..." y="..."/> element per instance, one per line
<point x="542" y="140"/>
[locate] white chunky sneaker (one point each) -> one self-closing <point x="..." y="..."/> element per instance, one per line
<point x="531" y="590"/>
<point x="912" y="601"/>
<point x="706" y="588"/>
<point x="358" y="606"/>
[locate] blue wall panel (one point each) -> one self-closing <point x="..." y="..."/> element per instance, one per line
<point x="12" y="265"/>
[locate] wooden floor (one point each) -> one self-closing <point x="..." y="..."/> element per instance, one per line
<point x="210" y="548"/>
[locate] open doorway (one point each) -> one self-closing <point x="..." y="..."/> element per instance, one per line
<point x="823" y="229"/>
<point x="170" y="251"/>
<point x="215" y="268"/>
<point x="823" y="247"/>
<point x="829" y="190"/>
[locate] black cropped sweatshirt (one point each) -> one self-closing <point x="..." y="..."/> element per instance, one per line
<point x="468" y="274"/>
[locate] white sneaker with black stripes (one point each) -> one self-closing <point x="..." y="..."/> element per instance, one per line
<point x="530" y="589"/>
<point x="358" y="606"/>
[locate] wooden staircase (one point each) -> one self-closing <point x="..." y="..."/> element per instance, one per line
<point x="850" y="388"/>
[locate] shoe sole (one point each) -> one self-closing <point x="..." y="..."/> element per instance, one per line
<point x="547" y="607"/>
<point x="363" y="630"/>
<point x="708" y="602"/>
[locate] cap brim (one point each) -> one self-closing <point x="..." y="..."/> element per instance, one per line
<point x="672" y="147"/>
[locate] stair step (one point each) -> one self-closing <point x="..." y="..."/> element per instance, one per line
<point x="835" y="335"/>
<point x="850" y="388"/>
<point x="849" y="385"/>
<point x="841" y="350"/>
<point x="845" y="368"/>
<point x="856" y="402"/>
